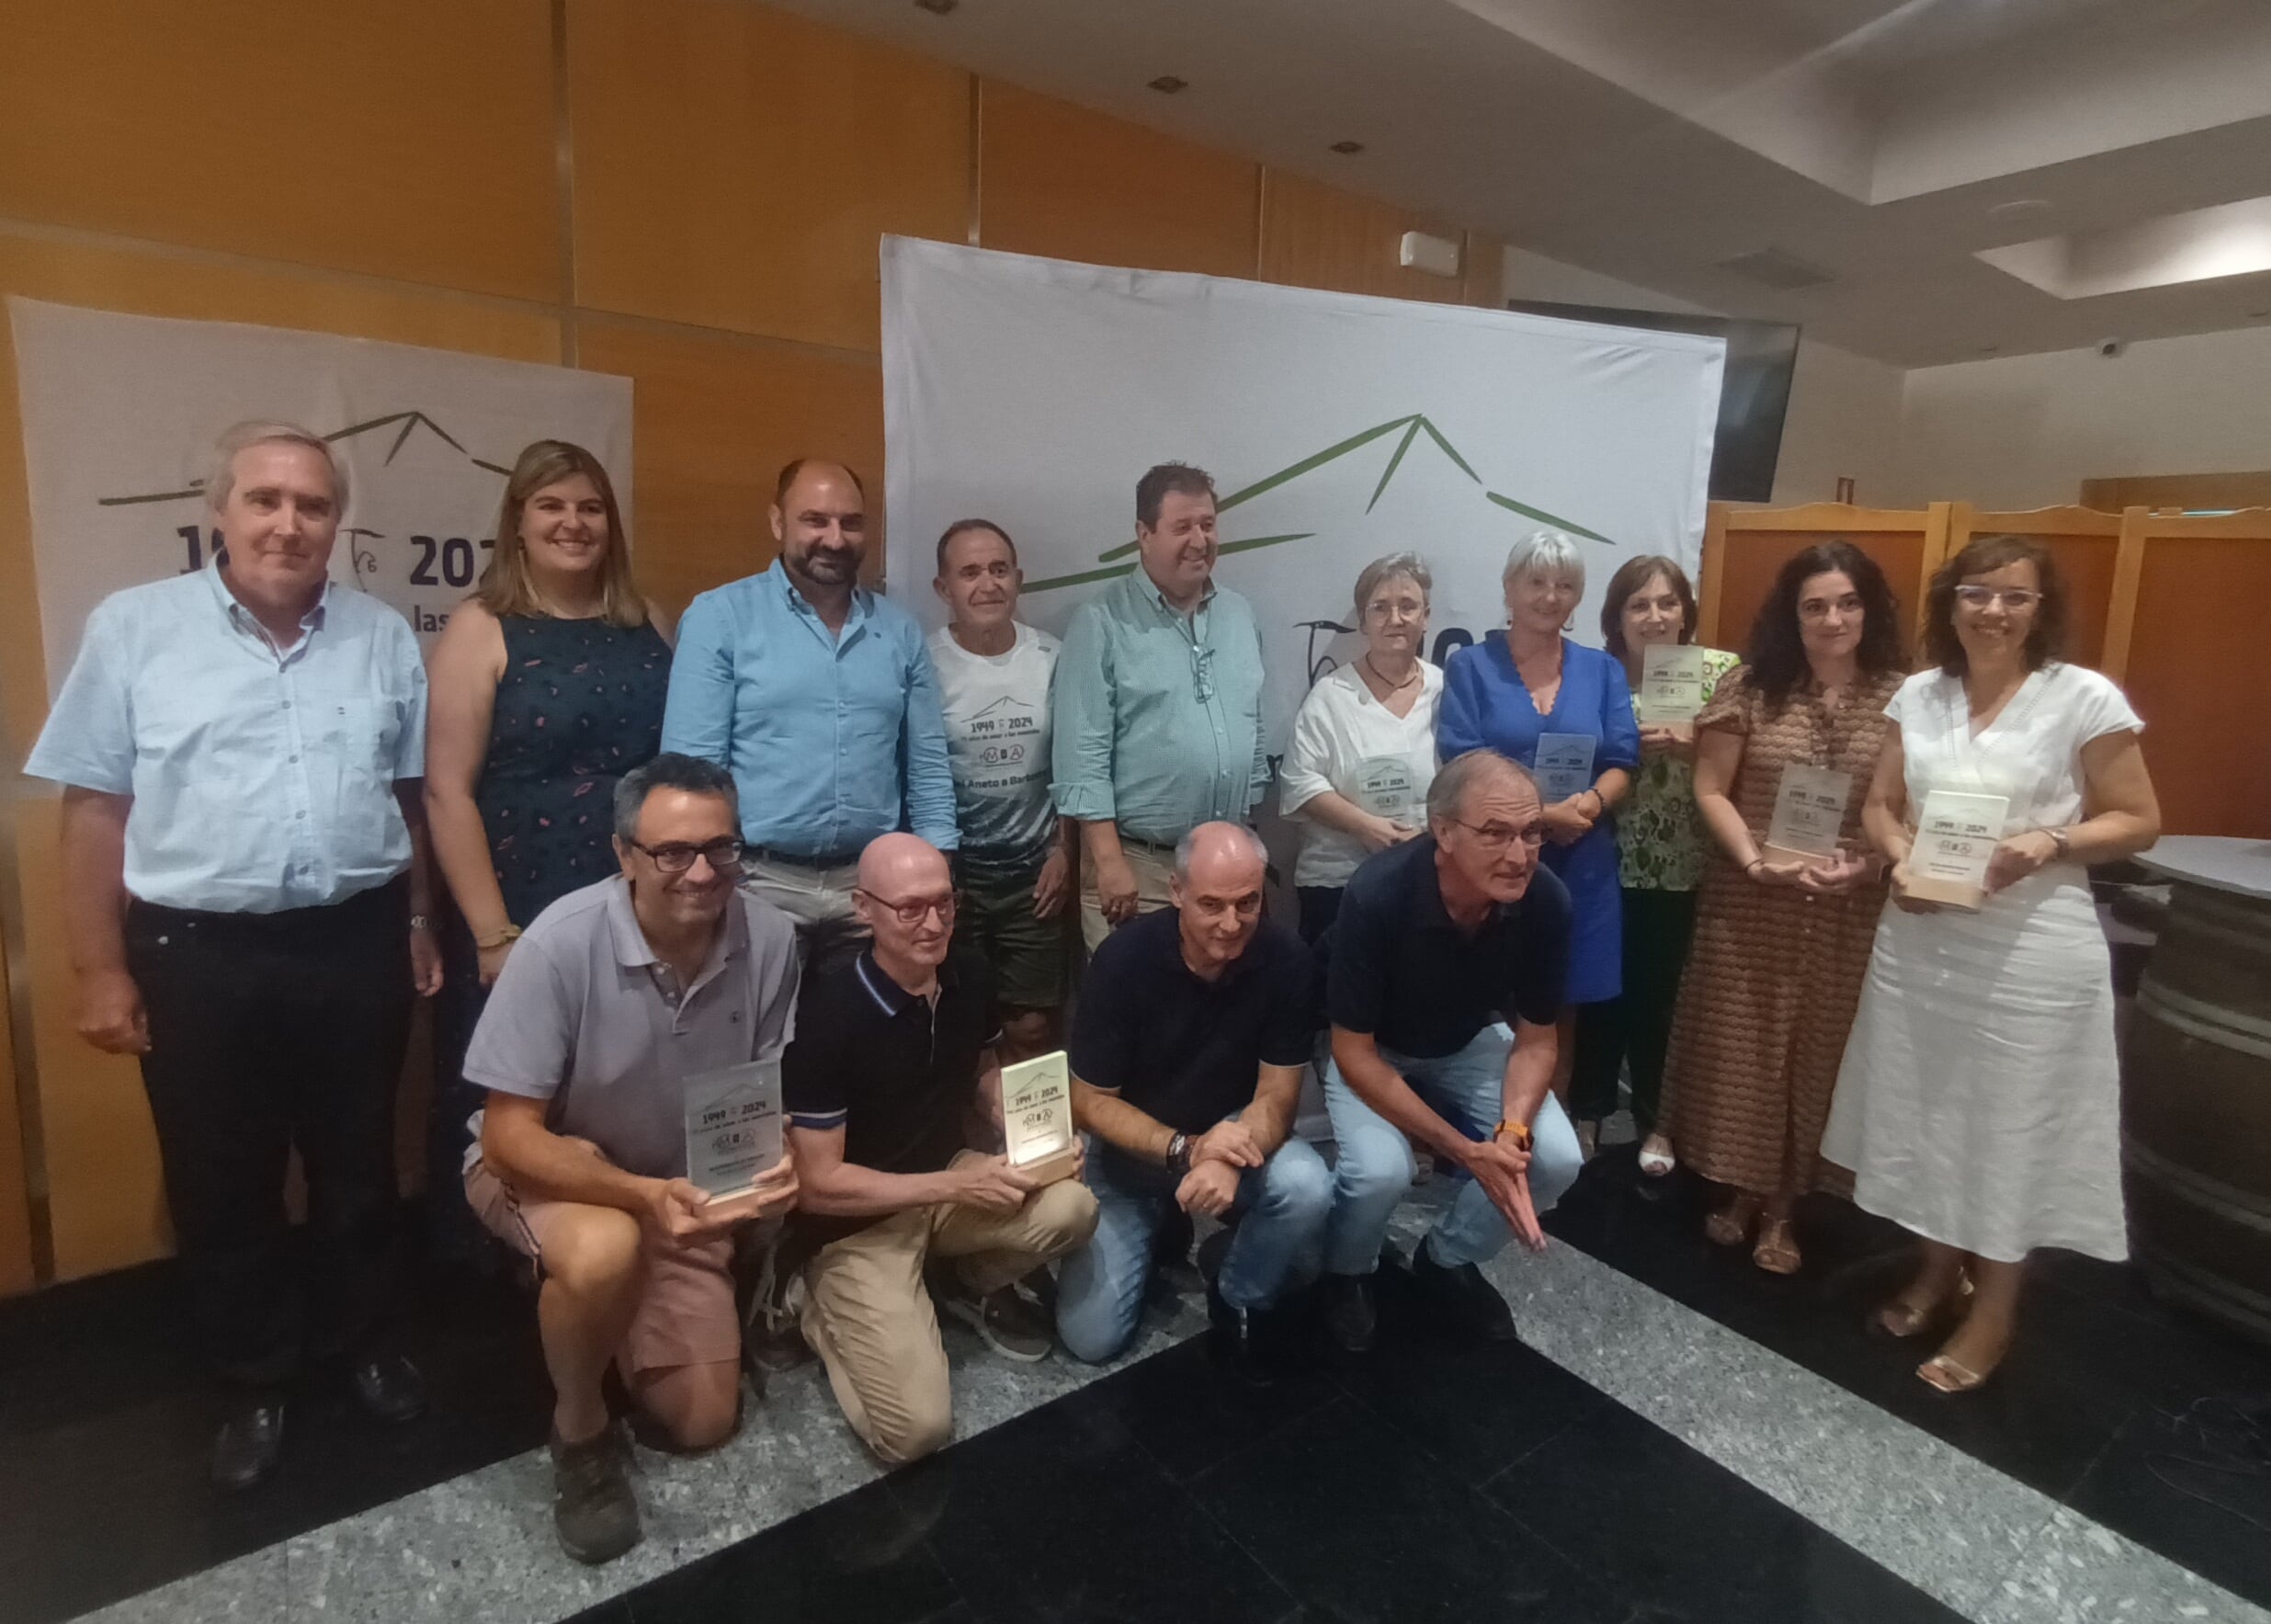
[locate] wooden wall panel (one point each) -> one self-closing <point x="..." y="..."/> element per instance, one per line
<point x="712" y="423"/>
<point x="1754" y="558"/>
<point x="1059" y="180"/>
<point x="735" y="165"/>
<point x="403" y="138"/>
<point x="1315" y="235"/>
<point x="2196" y="673"/>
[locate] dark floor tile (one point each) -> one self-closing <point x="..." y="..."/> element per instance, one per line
<point x="856" y="1559"/>
<point x="1361" y="1522"/>
<point x="2193" y="1484"/>
<point x="1682" y="1537"/>
<point x="1189" y="1411"/>
<point x="1060" y="1515"/>
<point x="1475" y="1406"/>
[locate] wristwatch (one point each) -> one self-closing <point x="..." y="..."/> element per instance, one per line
<point x="2063" y="841"/>
<point x="1519" y="1131"/>
<point x="1179" y="1156"/>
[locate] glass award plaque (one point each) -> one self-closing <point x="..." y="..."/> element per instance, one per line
<point x="1037" y="1117"/>
<point x="1671" y="687"/>
<point x="732" y="1127"/>
<point x="1955" y="839"/>
<point x="1564" y="766"/>
<point x="1386" y="787"/>
<point x="1809" y="812"/>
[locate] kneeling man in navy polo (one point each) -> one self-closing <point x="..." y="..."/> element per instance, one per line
<point x="1193" y="1028"/>
<point x="1439" y="942"/>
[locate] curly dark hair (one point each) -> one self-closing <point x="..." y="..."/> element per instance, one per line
<point x="1631" y="576"/>
<point x="1983" y="555"/>
<point x="1776" y="655"/>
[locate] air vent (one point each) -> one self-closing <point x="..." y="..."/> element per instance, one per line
<point x="1776" y="268"/>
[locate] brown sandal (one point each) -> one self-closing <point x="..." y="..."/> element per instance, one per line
<point x="1730" y="1224"/>
<point x="1943" y="1374"/>
<point x="1777" y="1251"/>
<point x="1900" y="1319"/>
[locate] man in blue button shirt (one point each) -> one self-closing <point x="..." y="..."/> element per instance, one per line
<point x="819" y="697"/>
<point x="1159" y="706"/>
<point x="244" y="847"/>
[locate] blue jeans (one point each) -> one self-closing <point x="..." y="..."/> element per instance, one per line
<point x="1467" y="1090"/>
<point x="1100" y="1288"/>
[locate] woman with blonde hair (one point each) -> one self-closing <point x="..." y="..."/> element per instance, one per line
<point x="546" y="685"/>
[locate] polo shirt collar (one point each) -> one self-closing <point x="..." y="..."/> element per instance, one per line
<point x="633" y="951"/>
<point x="241" y="618"/>
<point x="1428" y="910"/>
<point x="889" y="996"/>
<point x="1147" y="591"/>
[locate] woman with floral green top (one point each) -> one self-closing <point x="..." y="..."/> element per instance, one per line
<point x="1661" y="847"/>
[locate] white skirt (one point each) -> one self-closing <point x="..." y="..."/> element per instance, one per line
<point x="1979" y="1103"/>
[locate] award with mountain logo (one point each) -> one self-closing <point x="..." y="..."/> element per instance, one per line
<point x="1564" y="766"/>
<point x="1955" y="839"/>
<point x="732" y="1127"/>
<point x="1386" y="787"/>
<point x="1037" y="1117"/>
<point x="1809" y="812"/>
<point x="1671" y="684"/>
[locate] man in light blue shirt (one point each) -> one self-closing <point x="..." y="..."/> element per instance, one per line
<point x="1159" y="706"/>
<point x="819" y="697"/>
<point x="245" y="883"/>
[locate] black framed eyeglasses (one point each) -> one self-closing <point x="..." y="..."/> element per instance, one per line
<point x="913" y="910"/>
<point x="675" y="857"/>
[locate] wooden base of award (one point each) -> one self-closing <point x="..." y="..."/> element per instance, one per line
<point x="1947" y="894"/>
<point x="1048" y="1169"/>
<point x="1784" y="854"/>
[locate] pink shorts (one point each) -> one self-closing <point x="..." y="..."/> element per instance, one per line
<point x="686" y="1313"/>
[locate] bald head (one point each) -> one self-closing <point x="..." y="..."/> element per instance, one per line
<point x="893" y="863"/>
<point x="906" y="896"/>
<point x="1220" y="873"/>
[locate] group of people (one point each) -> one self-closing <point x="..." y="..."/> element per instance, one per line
<point x="799" y="831"/>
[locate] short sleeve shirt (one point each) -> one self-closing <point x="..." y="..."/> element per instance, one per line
<point x="898" y="1073"/>
<point x="586" y="1016"/>
<point x="997" y="710"/>
<point x="1399" y="971"/>
<point x="1186" y="1052"/>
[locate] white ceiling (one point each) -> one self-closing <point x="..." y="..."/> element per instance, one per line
<point x="1654" y="140"/>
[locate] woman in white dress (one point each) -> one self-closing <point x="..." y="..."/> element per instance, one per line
<point x="1978" y="1104"/>
<point x="1363" y="753"/>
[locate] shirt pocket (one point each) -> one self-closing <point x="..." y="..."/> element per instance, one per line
<point x="359" y="734"/>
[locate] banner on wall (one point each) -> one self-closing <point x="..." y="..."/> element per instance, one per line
<point x="1337" y="427"/>
<point x="120" y="414"/>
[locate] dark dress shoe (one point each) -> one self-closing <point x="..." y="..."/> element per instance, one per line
<point x="250" y="1443"/>
<point x="1462" y="1299"/>
<point x="1238" y="1335"/>
<point x="389" y="1388"/>
<point x="1349" y="1315"/>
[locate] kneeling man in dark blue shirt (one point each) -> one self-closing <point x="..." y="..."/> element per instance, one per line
<point x="1439" y="942"/>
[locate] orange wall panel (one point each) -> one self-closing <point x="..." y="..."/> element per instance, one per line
<point x="2197" y="675"/>
<point x="1755" y="557"/>
<point x="712" y="423"/>
<point x="1059" y="180"/>
<point x="2085" y="565"/>
<point x="1314" y="235"/>
<point x="402" y="138"/>
<point x="735" y="165"/>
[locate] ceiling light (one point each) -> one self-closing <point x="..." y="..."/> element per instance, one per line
<point x="1347" y="149"/>
<point x="2018" y="208"/>
<point x="1167" y="83"/>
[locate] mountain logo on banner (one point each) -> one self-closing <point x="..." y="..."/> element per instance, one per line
<point x="1413" y="426"/>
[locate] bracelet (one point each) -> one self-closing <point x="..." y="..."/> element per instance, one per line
<point x="2063" y="841"/>
<point x="1179" y="1156"/>
<point x="498" y="938"/>
<point x="1753" y="863"/>
<point x="421" y="922"/>
<point x="1520" y="1131"/>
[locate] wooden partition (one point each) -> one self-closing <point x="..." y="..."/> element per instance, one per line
<point x="1743" y="548"/>
<point x="2168" y="605"/>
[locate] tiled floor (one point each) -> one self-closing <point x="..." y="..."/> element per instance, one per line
<point x="1430" y="1480"/>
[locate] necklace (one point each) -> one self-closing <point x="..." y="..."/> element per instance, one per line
<point x="1393" y="687"/>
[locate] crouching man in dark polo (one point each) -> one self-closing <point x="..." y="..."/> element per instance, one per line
<point x="614" y="998"/>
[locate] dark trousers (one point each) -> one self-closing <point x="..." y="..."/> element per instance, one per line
<point x="269" y="1031"/>
<point x="1636" y="1026"/>
<point x="453" y="1234"/>
<point x="1321" y="904"/>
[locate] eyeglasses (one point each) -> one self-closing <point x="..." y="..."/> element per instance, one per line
<point x="677" y="857"/>
<point x="1497" y="837"/>
<point x="2011" y="597"/>
<point x="1202" y="672"/>
<point x="914" y="910"/>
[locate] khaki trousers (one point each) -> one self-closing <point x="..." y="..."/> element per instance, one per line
<point x="1153" y="871"/>
<point x="867" y="1315"/>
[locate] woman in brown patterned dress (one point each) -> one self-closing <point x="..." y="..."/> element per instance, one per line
<point x="1781" y="947"/>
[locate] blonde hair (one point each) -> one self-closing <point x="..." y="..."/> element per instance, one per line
<point x="1548" y="553"/>
<point x="505" y="587"/>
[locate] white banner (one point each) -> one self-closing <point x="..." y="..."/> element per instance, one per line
<point x="120" y="414"/>
<point x="1337" y="427"/>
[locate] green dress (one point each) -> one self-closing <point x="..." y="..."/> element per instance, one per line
<point x="1661" y="844"/>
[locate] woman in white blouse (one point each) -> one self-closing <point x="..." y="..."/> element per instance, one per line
<point x="1979" y="1103"/>
<point x="1363" y="752"/>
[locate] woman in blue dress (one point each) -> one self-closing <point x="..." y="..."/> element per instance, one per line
<point x="1530" y="685"/>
